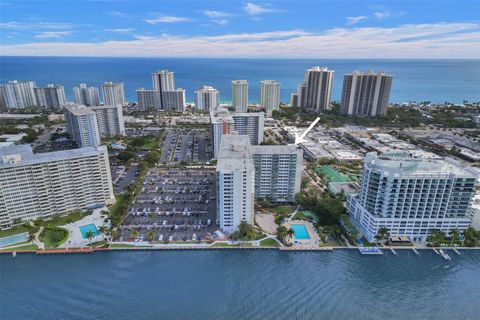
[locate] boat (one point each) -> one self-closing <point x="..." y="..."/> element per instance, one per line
<point x="444" y="255"/>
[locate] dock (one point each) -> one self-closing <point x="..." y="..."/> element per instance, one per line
<point x="435" y="250"/>
<point x="393" y="251"/>
<point x="456" y="251"/>
<point x="416" y="252"/>
<point x="370" y="251"/>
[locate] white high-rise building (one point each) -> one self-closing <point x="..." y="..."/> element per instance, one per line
<point x="148" y="99"/>
<point x="174" y="100"/>
<point x="88" y="125"/>
<point x="411" y="196"/>
<point x="109" y="120"/>
<point x="113" y="94"/>
<point x="15" y="94"/>
<point x="163" y="80"/>
<point x="235" y="183"/>
<point x="316" y="91"/>
<point x="245" y="173"/>
<point x="222" y="122"/>
<point x="366" y="94"/>
<point x="206" y="98"/>
<point x="278" y="172"/>
<point x="51" y="96"/>
<point x="240" y="95"/>
<point x="82" y="125"/>
<point x="88" y="96"/>
<point x="44" y="185"/>
<point x="269" y="95"/>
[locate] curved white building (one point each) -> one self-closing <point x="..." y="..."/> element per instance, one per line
<point x="410" y="196"/>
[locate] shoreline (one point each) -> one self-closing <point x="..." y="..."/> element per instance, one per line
<point x="232" y="247"/>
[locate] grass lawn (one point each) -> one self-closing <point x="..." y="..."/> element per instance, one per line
<point x="238" y="245"/>
<point x="120" y="246"/>
<point x="118" y="209"/>
<point x="282" y="209"/>
<point x="53" y="237"/>
<point x="269" y="243"/>
<point x="23" y="248"/>
<point x="63" y="220"/>
<point x="14" y="230"/>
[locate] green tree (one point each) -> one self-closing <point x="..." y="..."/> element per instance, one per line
<point x="90" y="235"/>
<point x="471" y="237"/>
<point x="436" y="237"/>
<point x="281" y="233"/>
<point x="382" y="234"/>
<point x="290" y="233"/>
<point x="454" y="236"/>
<point x="151" y="235"/>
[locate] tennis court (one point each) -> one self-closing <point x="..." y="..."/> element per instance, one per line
<point x="331" y="174"/>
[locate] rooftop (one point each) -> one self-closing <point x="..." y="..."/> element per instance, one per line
<point x="22" y="155"/>
<point x="235" y="153"/>
<point x="408" y="164"/>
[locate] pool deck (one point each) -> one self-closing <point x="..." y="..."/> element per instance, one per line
<point x="76" y="239"/>
<point x="312" y="243"/>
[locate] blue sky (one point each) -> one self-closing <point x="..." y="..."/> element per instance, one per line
<point x="330" y="29"/>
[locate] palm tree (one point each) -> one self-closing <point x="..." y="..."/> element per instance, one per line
<point x="382" y="234"/>
<point x="90" y="235"/>
<point x="31" y="237"/>
<point x="454" y="235"/>
<point x="102" y="229"/>
<point x="471" y="237"/>
<point x="436" y="237"/>
<point x="281" y="233"/>
<point x="151" y="235"/>
<point x="134" y="234"/>
<point x="290" y="233"/>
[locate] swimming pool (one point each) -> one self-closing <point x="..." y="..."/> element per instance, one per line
<point x="89" y="227"/>
<point x="301" y="232"/>
<point x="16" y="238"/>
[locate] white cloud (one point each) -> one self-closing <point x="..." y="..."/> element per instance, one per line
<point x="14" y="25"/>
<point x="382" y="14"/>
<point x="52" y="34"/>
<point x="437" y="40"/>
<point x="120" y="30"/>
<point x="256" y="9"/>
<point x="119" y="14"/>
<point x="355" y="20"/>
<point x="167" y="19"/>
<point x="216" y="14"/>
<point x="222" y="22"/>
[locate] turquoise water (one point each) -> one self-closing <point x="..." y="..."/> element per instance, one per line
<point x="240" y="284"/>
<point x="16" y="238"/>
<point x="84" y="230"/>
<point x="419" y="80"/>
<point x="301" y="232"/>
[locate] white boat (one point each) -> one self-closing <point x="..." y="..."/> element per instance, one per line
<point x="444" y="255"/>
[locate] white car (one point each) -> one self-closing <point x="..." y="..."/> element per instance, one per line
<point x="160" y="237"/>
<point x="194" y="237"/>
<point x="170" y="238"/>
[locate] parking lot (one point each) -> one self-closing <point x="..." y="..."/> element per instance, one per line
<point x="122" y="176"/>
<point x="174" y="205"/>
<point x="185" y="145"/>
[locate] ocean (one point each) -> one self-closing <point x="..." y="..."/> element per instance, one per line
<point x="240" y="284"/>
<point x="414" y="80"/>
